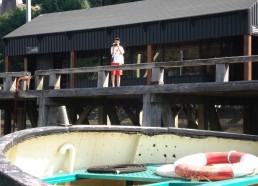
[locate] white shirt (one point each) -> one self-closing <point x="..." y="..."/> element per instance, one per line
<point x="118" y="54"/>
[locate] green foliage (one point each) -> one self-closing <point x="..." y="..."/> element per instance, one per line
<point x="95" y="3"/>
<point x="49" y="6"/>
<point x="9" y="22"/>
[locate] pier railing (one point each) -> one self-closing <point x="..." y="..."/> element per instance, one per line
<point x="157" y="68"/>
<point x="12" y="81"/>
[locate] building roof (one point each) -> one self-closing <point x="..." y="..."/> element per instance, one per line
<point x="127" y="14"/>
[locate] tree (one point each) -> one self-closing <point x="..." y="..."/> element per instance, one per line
<point x="9" y="22"/>
<point x="95" y="3"/>
<point x="49" y="6"/>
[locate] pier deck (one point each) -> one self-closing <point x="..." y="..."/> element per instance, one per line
<point x="156" y="101"/>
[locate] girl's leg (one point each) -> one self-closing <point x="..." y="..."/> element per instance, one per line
<point x="118" y="79"/>
<point x="113" y="80"/>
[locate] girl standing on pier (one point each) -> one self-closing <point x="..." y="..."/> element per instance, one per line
<point x="117" y="53"/>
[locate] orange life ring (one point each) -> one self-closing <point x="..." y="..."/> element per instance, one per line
<point x="216" y="165"/>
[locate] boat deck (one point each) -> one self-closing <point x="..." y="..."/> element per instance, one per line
<point x="148" y="176"/>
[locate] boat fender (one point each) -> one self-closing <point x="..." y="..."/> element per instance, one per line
<point x="215" y="166"/>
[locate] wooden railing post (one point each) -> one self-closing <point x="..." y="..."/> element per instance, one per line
<point x="157" y="76"/>
<point x="10" y="84"/>
<point x="103" y="77"/>
<point x="39" y="82"/>
<point x="54" y="81"/>
<point x="222" y="72"/>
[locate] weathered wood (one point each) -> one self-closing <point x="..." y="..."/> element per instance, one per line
<point x="239" y="88"/>
<point x="53" y="118"/>
<point x="7" y="121"/>
<point x="213" y="118"/>
<point x="250" y="117"/>
<point x="103" y="78"/>
<point x="152" y="112"/>
<point x="8" y="63"/>
<point x="207" y="62"/>
<point x="80" y="70"/>
<point x="54" y="81"/>
<point x="39" y="82"/>
<point x="102" y="115"/>
<point x="157" y="76"/>
<point x="83" y="118"/>
<point x="113" y="116"/>
<point x="14" y="74"/>
<point x="73" y="63"/>
<point x="32" y="112"/>
<point x="175" y="111"/>
<point x="133" y="117"/>
<point x="43" y="112"/>
<point x="167" y="115"/>
<point x="247" y="129"/>
<point x="189" y="110"/>
<point x="20" y="119"/>
<point x="201" y="117"/>
<point x="150" y="55"/>
<point x="10" y="84"/>
<point x="145" y="66"/>
<point x="71" y="113"/>
<point x="222" y="72"/>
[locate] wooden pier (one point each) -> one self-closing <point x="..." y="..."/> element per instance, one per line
<point x="156" y="104"/>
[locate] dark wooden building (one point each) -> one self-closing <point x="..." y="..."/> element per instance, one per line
<point x="150" y="30"/>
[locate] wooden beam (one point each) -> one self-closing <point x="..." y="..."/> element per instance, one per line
<point x="39" y="83"/>
<point x="248" y="52"/>
<point x="250" y="124"/>
<point x="43" y="112"/>
<point x="152" y="112"/>
<point x="167" y="115"/>
<point x="83" y="118"/>
<point x="113" y="116"/>
<point x="10" y="84"/>
<point x="52" y="119"/>
<point x="73" y="64"/>
<point x="222" y="72"/>
<point x="103" y="78"/>
<point x="8" y="63"/>
<point x="25" y="63"/>
<point x="238" y="88"/>
<point x="32" y="112"/>
<point x="133" y="117"/>
<point x="201" y="117"/>
<point x="144" y="66"/>
<point x="157" y="76"/>
<point x="150" y="55"/>
<point x="54" y="81"/>
<point x="189" y="110"/>
<point x="7" y="121"/>
<point x="14" y="74"/>
<point x="213" y="118"/>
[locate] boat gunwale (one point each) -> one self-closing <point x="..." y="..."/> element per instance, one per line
<point x="15" y="174"/>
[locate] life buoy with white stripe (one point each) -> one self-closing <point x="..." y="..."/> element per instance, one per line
<point x="214" y="166"/>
